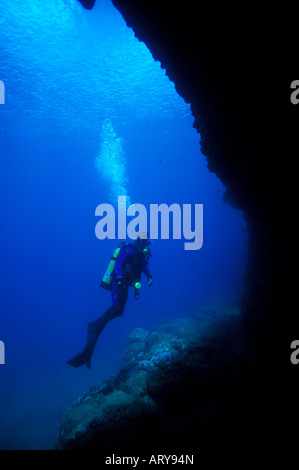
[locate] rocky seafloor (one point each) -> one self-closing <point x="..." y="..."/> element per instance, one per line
<point x="186" y="382"/>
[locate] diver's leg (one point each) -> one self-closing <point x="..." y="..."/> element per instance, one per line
<point x="95" y="328"/>
<point x="119" y="300"/>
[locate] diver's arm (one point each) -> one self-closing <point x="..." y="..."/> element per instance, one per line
<point x="148" y="275"/>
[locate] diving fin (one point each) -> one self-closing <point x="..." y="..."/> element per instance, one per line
<point x="82" y="358"/>
<point x="93" y="332"/>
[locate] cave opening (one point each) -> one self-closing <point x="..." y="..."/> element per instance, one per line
<point x="90" y="116"/>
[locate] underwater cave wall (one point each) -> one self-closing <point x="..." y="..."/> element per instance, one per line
<point x="223" y="61"/>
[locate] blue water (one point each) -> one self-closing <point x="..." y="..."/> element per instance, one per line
<point x="68" y="74"/>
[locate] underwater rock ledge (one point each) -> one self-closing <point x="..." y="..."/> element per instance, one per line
<point x="188" y="379"/>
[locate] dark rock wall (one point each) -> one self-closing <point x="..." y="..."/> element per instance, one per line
<point x="229" y="62"/>
<point x="226" y="61"/>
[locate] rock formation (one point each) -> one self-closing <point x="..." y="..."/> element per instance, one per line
<point x="177" y="386"/>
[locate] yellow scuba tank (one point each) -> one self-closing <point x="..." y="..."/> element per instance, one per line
<point x="107" y="279"/>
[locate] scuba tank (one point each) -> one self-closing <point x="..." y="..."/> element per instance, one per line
<point x="107" y="278"/>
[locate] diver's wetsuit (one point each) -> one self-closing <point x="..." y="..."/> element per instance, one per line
<point x="130" y="264"/>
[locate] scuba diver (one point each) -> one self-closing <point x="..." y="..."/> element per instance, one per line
<point x="127" y="264"/>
